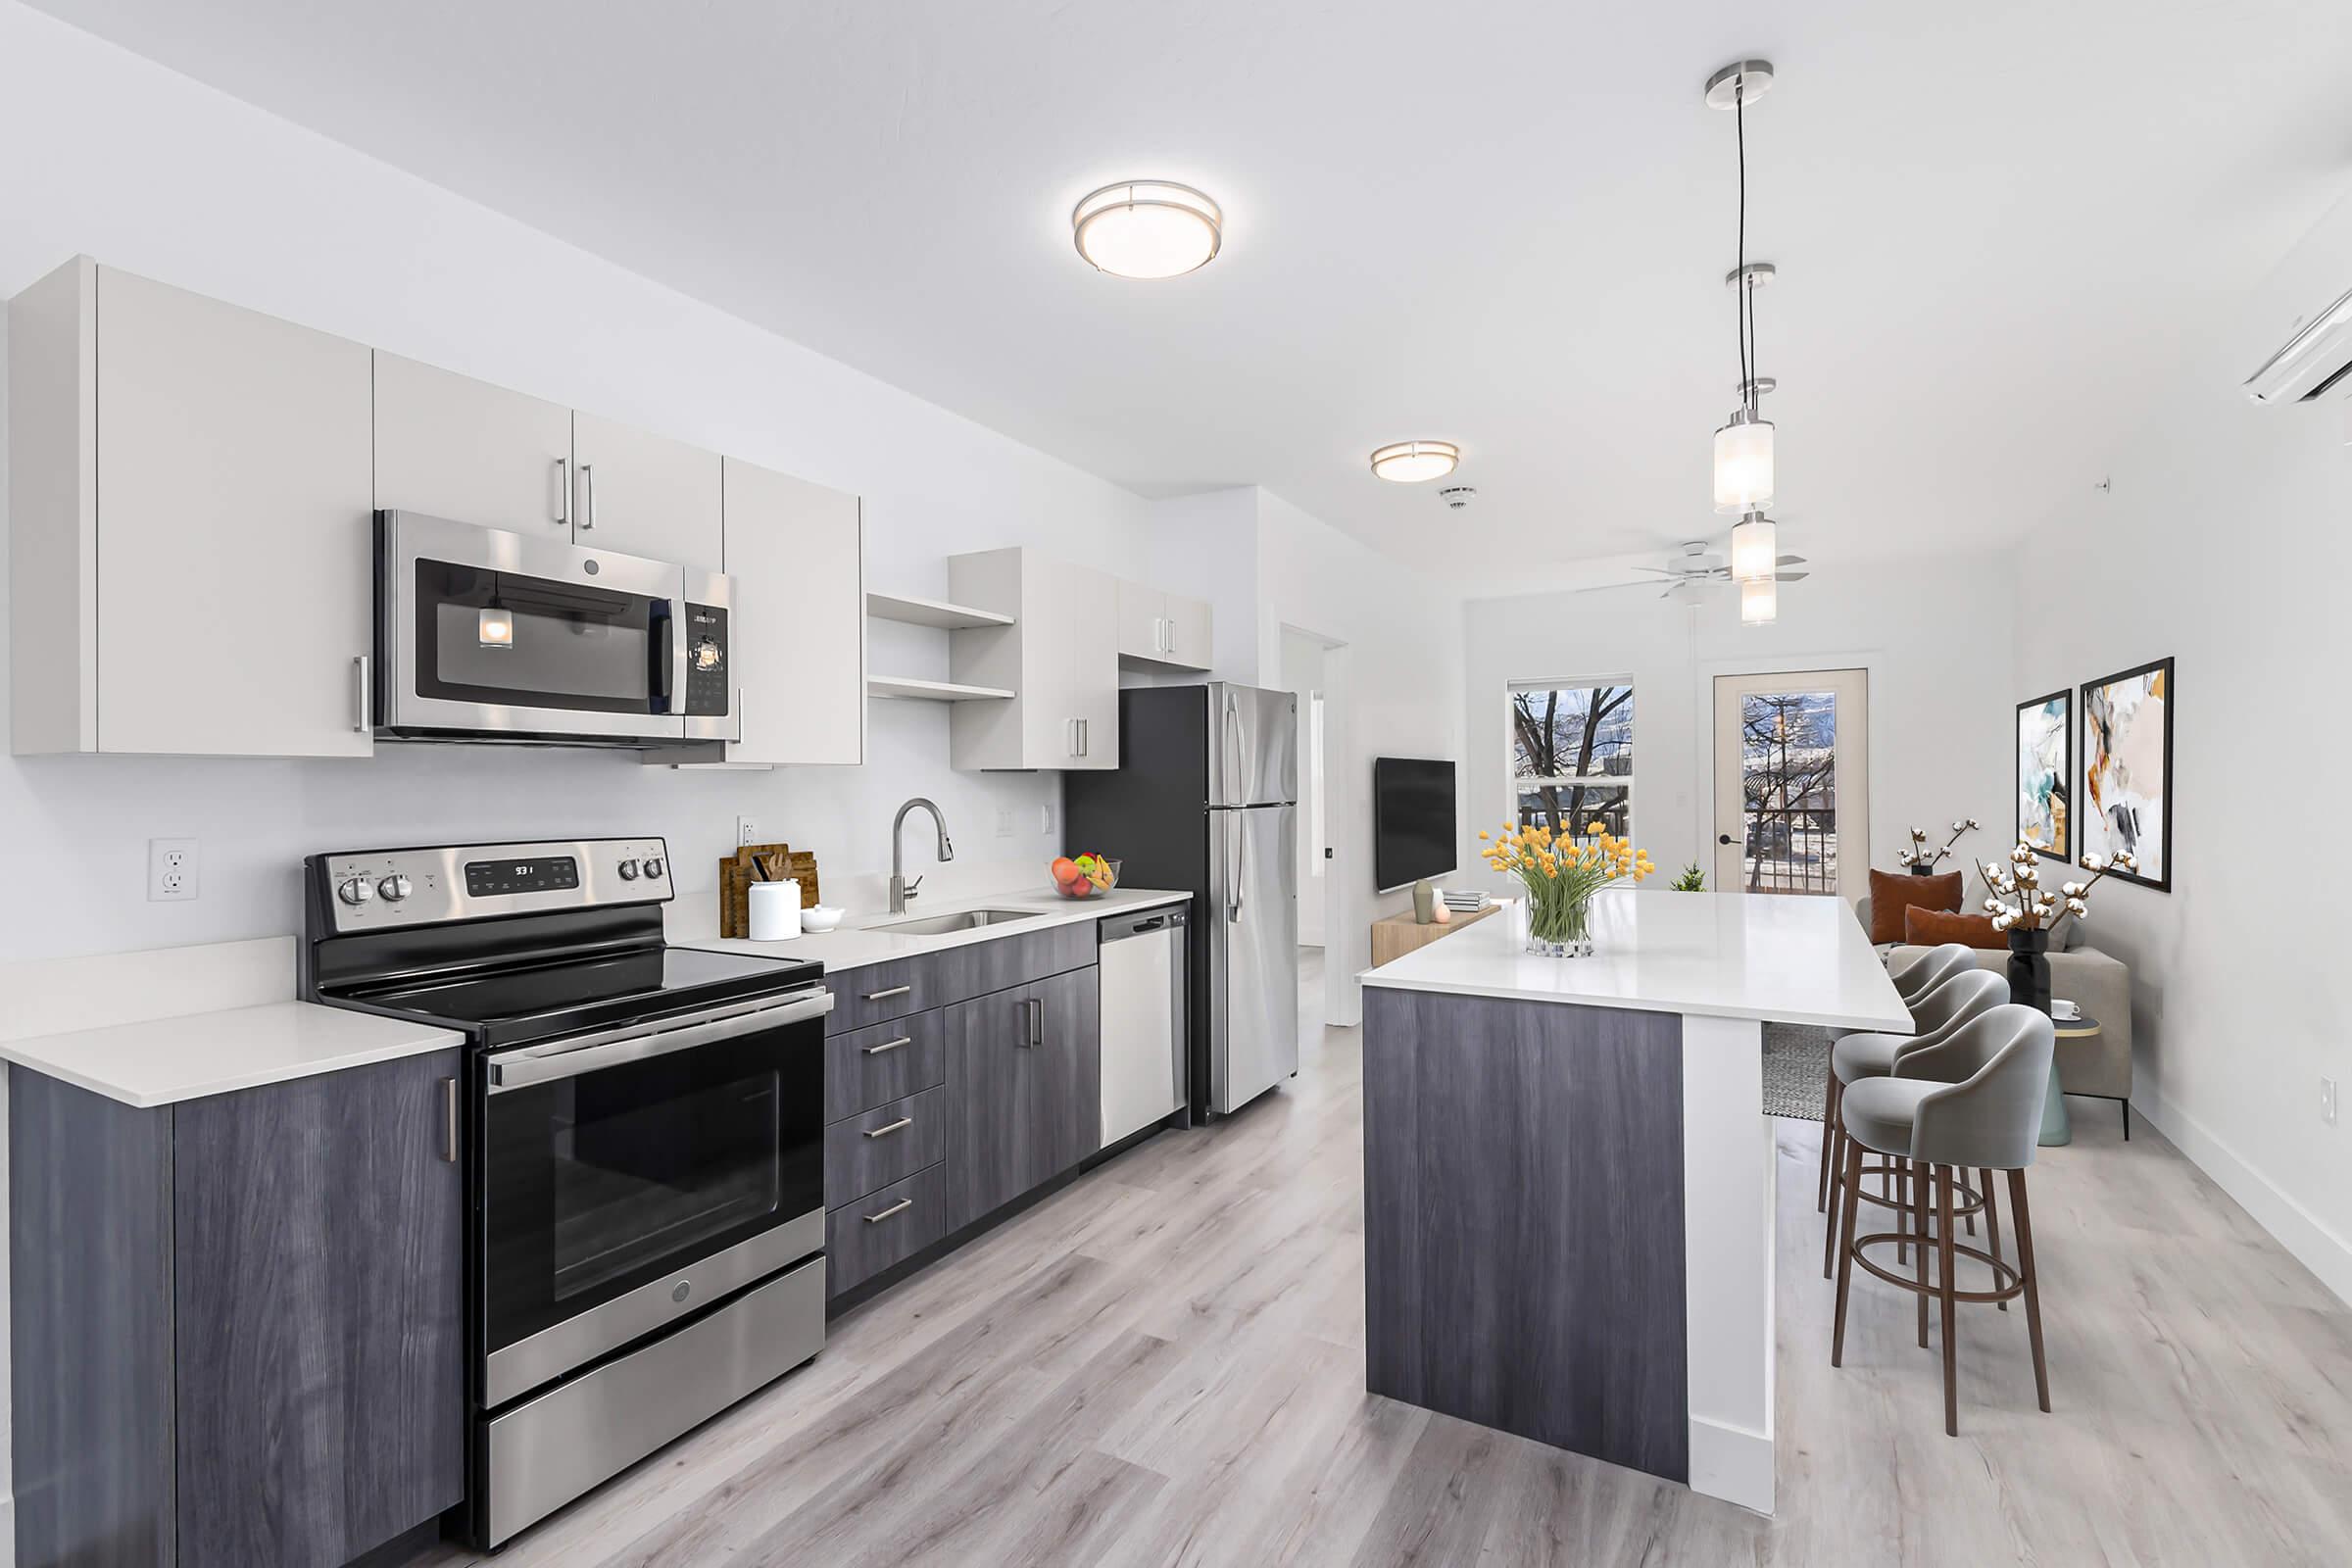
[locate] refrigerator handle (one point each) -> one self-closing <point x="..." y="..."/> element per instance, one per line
<point x="1233" y="760"/>
<point x="1241" y="863"/>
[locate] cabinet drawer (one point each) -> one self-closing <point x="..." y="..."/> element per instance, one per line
<point x="887" y="1143"/>
<point x="884" y="1228"/>
<point x="881" y="991"/>
<point x="883" y="1062"/>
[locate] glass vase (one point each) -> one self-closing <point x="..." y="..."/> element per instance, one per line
<point x="1562" y="930"/>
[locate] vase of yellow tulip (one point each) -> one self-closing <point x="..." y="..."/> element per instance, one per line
<point x="1560" y="877"/>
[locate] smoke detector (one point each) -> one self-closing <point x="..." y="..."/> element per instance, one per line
<point x="1458" y="496"/>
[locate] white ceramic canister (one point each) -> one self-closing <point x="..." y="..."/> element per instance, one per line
<point x="775" y="911"/>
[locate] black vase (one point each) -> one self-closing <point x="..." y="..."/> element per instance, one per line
<point x="1920" y="869"/>
<point x="2030" y="970"/>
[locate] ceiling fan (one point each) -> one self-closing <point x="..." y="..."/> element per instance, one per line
<point x="1698" y="567"/>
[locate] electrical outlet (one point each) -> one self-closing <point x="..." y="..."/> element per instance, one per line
<point x="2327" y="1100"/>
<point x="746" y="831"/>
<point x="1045" y="820"/>
<point x="170" y="869"/>
<point x="1004" y="822"/>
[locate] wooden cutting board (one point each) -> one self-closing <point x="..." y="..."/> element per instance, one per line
<point x="736" y="875"/>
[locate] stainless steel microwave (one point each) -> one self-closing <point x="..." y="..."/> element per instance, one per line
<point x="483" y="635"/>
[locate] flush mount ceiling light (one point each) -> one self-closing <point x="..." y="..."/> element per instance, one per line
<point x="1411" y="462"/>
<point x="1148" y="228"/>
<point x="1743" y="444"/>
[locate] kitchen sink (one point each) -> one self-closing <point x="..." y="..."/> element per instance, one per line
<point x="933" y="925"/>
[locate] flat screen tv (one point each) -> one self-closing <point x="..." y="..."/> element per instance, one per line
<point x="1413" y="830"/>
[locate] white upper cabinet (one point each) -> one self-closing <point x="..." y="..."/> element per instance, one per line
<point x="1164" y="628"/>
<point x="645" y="495"/>
<point x="197" y="548"/>
<point x="797" y="627"/>
<point x="452" y="447"/>
<point x="1060" y="659"/>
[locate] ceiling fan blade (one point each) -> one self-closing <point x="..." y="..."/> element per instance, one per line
<point x="1792" y="576"/>
<point x="1791" y="560"/>
<point x="1660" y="571"/>
<point x="1611" y="587"/>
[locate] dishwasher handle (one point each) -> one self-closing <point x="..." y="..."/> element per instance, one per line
<point x="1144" y="923"/>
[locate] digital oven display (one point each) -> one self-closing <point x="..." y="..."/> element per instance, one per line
<point x="485" y="877"/>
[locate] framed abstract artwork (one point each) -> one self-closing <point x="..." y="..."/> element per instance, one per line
<point x="2128" y="771"/>
<point x="2045" y="774"/>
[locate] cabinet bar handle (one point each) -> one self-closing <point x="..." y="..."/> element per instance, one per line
<point x="899" y="1207"/>
<point x="900" y="1125"/>
<point x="448" y="1121"/>
<point x="588" y="478"/>
<point x="885" y="996"/>
<point x="888" y="1044"/>
<point x="564" y="492"/>
<point x="360" y="693"/>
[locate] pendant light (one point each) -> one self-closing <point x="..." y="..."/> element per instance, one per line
<point x="1759" y="602"/>
<point x="495" y="624"/>
<point x="1755" y="549"/>
<point x="1743" y="445"/>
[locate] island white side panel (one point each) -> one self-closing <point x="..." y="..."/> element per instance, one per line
<point x="1728" y="1176"/>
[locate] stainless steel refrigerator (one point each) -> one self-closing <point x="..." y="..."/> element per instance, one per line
<point x="1205" y="800"/>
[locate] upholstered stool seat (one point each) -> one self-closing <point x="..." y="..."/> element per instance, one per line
<point x="1859" y="1056"/>
<point x="1879" y="1112"/>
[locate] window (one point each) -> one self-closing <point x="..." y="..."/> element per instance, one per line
<point x="1572" y="757"/>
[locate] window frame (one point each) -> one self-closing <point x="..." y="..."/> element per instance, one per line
<point x="1515" y="786"/>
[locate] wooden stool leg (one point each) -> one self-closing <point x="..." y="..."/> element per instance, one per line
<point x="1971" y="1218"/>
<point x="1898" y="1187"/>
<point x="1918" y="1193"/>
<point x="1845" y="1248"/>
<point x="2023" y="1219"/>
<point x="1828" y="1141"/>
<point x="1943" y="1272"/>
<point x="1842" y="1188"/>
<point x="1993" y="1227"/>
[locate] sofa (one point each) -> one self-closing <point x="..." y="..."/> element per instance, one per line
<point x="2101" y="986"/>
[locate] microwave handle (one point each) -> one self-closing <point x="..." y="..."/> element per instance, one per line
<point x="523" y="1067"/>
<point x="665" y="653"/>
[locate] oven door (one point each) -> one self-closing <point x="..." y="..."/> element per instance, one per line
<point x="637" y="1175"/>
<point x="488" y="635"/>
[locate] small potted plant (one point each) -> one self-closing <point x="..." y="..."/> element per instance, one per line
<point x="1560" y="879"/>
<point x="1693" y="880"/>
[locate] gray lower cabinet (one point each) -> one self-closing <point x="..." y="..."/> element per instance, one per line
<point x="1025" y="1077"/>
<point x="885" y="1227"/>
<point x="237" y="1330"/>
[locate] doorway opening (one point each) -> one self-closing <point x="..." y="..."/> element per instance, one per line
<point x="1314" y="669"/>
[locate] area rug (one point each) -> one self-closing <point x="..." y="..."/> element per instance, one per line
<point x="1796" y="1057"/>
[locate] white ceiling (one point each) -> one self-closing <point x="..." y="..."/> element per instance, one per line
<point x="1501" y="225"/>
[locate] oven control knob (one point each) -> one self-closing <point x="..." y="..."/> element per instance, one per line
<point x="653" y="867"/>
<point x="628" y="870"/>
<point x="395" y="887"/>
<point x="356" y="890"/>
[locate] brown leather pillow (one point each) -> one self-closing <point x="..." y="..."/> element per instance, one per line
<point x="1930" y="928"/>
<point x="1891" y="893"/>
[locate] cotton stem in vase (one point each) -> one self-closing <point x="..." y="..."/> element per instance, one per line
<point x="1561" y="876"/>
<point x="2018" y="901"/>
<point x="1915" y="855"/>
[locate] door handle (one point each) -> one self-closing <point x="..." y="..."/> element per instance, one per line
<point x="1723" y="838"/>
<point x="359" y="681"/>
<point x="887" y="1045"/>
<point x="738" y="715"/>
<point x="900" y="1125"/>
<point x="588" y="481"/>
<point x="665" y="653"/>
<point x="448" y="1121"/>
<point x="1037" y="1021"/>
<point x="564" y="492"/>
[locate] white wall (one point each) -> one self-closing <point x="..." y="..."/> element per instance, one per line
<point x="1932" y="633"/>
<point x="107" y="154"/>
<point x="1303" y="678"/>
<point x="2224" y="542"/>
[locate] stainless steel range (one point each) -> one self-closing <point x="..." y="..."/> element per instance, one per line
<point x="643" y="1135"/>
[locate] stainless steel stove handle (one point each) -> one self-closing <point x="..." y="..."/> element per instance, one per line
<point x="573" y="1059"/>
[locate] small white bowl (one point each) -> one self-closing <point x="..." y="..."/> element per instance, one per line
<point x="820" y="918"/>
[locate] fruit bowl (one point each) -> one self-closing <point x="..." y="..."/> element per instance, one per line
<point x="1083" y="876"/>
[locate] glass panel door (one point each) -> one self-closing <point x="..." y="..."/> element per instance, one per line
<point x="1791" y="789"/>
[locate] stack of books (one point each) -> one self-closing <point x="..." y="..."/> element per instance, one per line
<point x="1464" y="900"/>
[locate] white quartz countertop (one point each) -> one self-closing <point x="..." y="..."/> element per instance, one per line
<point x="861" y="941"/>
<point x="160" y="1062"/>
<point x="1718" y="955"/>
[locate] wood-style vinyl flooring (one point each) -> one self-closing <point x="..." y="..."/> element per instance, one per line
<point x="1163" y="1364"/>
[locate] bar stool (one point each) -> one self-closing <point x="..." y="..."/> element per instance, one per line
<point x="1971" y="1102"/>
<point x="1857" y="1057"/>
<point x="1923" y="974"/>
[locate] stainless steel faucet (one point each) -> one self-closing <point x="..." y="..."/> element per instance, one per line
<point x="901" y="890"/>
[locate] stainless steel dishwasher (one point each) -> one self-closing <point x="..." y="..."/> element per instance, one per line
<point x="1143" y="1019"/>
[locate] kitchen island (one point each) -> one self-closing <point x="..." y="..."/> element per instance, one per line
<point x="1568" y="1173"/>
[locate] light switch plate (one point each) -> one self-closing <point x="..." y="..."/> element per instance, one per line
<point x="1004" y="822"/>
<point x="2327" y="1100"/>
<point x="170" y="871"/>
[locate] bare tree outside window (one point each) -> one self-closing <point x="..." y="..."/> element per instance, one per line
<point x="1789" y="776"/>
<point x="1572" y="757"/>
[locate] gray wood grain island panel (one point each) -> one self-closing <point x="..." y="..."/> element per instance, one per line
<point x="1523" y="1220"/>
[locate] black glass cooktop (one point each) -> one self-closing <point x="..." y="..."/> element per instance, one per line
<point x="526" y="1002"/>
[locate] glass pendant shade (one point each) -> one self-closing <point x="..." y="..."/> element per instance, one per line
<point x="497" y="627"/>
<point x="1755" y="548"/>
<point x="1759" y="602"/>
<point x="1744" y="464"/>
